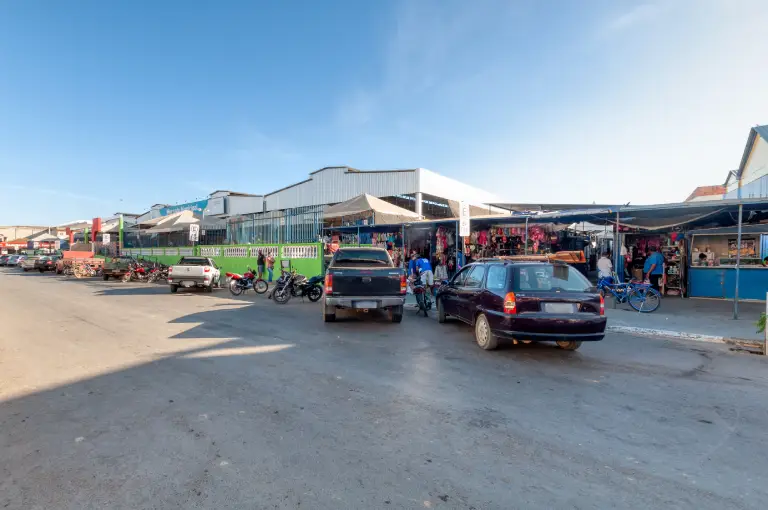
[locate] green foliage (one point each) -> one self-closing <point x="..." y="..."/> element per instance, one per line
<point x="761" y="323"/>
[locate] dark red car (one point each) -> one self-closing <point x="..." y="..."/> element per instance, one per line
<point x="528" y="301"/>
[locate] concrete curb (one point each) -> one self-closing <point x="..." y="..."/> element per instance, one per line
<point x="682" y="335"/>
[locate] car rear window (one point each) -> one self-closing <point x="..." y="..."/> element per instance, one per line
<point x="352" y="258"/>
<point x="546" y="277"/>
<point x="193" y="261"/>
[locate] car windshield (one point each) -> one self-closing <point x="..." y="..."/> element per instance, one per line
<point x="549" y="277"/>
<point x="362" y="258"/>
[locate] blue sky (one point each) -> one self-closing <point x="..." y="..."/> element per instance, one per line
<point x="115" y="106"/>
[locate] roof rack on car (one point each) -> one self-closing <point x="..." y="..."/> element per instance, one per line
<point x="521" y="258"/>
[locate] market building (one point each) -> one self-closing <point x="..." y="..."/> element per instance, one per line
<point x="295" y="213"/>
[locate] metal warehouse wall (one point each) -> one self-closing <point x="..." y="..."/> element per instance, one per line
<point x="333" y="185"/>
<point x="445" y="187"/>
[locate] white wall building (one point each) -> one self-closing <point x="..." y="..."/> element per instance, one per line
<point x="420" y="190"/>
<point x="332" y="185"/>
<point x="751" y="178"/>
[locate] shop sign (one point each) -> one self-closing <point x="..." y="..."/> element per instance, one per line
<point x="464" y="219"/>
<point x="105" y="238"/>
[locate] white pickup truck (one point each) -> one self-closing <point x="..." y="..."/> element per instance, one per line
<point x="194" y="272"/>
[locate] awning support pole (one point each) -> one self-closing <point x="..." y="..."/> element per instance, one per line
<point x="738" y="262"/>
<point x="358" y="236"/>
<point x="526" y="235"/>
<point x="618" y="264"/>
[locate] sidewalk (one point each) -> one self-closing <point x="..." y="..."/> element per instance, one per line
<point x="706" y="320"/>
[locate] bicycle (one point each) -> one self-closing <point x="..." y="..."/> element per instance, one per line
<point x="640" y="296"/>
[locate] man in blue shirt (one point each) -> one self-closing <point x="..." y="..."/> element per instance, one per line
<point x="412" y="264"/>
<point x="654" y="268"/>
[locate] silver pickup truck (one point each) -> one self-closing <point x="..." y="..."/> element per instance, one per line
<point x="194" y="272"/>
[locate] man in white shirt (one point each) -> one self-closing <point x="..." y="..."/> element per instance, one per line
<point x="605" y="267"/>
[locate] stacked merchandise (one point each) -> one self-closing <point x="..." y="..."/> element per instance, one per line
<point x="503" y="241"/>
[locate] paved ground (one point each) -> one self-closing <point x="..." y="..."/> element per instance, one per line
<point x="125" y="396"/>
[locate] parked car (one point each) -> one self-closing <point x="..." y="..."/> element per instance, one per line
<point x="194" y="272"/>
<point x="14" y="260"/>
<point x="28" y="263"/>
<point x="116" y="267"/>
<point x="364" y="278"/>
<point x="4" y="259"/>
<point x="524" y="301"/>
<point x="47" y="263"/>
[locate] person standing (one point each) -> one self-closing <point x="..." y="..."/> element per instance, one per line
<point x="270" y="267"/>
<point x="425" y="270"/>
<point x="441" y="271"/>
<point x="412" y="263"/>
<point x="260" y="265"/>
<point x="654" y="268"/>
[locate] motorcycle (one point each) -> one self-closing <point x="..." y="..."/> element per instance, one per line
<point x="292" y="284"/>
<point x="158" y="273"/>
<point x="136" y="272"/>
<point x="423" y="298"/>
<point x="240" y="283"/>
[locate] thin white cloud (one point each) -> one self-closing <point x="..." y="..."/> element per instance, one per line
<point x="420" y="55"/>
<point x="634" y="16"/>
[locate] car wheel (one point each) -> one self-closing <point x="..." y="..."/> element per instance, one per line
<point x="569" y="345"/>
<point x="105" y="277"/>
<point x="26" y="270"/>
<point x="396" y="314"/>
<point x="42" y="271"/>
<point x="209" y="288"/>
<point x="440" y="311"/>
<point x="174" y="289"/>
<point x="483" y="335"/>
<point x="329" y="313"/>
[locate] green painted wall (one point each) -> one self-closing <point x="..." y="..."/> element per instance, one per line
<point x="306" y="266"/>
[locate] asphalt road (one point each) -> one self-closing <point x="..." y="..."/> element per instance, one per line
<point x="125" y="396"/>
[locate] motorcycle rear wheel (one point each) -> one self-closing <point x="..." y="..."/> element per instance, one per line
<point x="314" y="294"/>
<point x="260" y="286"/>
<point x="234" y="288"/>
<point x="420" y="302"/>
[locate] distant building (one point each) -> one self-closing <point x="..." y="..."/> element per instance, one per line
<point x="750" y="180"/>
<point x="705" y="193"/>
<point x="419" y="190"/>
<point x="14" y="232"/>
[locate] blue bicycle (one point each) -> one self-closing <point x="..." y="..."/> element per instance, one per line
<point x="640" y="296"/>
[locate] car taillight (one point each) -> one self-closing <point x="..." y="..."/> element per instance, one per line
<point x="510" y="304"/>
<point x="602" y="305"/>
<point x="403" y="284"/>
<point x="328" y="283"/>
<point x="206" y="269"/>
<point x="170" y="270"/>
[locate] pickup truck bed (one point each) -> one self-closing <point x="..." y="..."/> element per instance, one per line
<point x="194" y="272"/>
<point x="363" y="279"/>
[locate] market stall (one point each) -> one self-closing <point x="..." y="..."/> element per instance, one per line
<point x="387" y="236"/>
<point x="672" y="245"/>
<point x="713" y="257"/>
